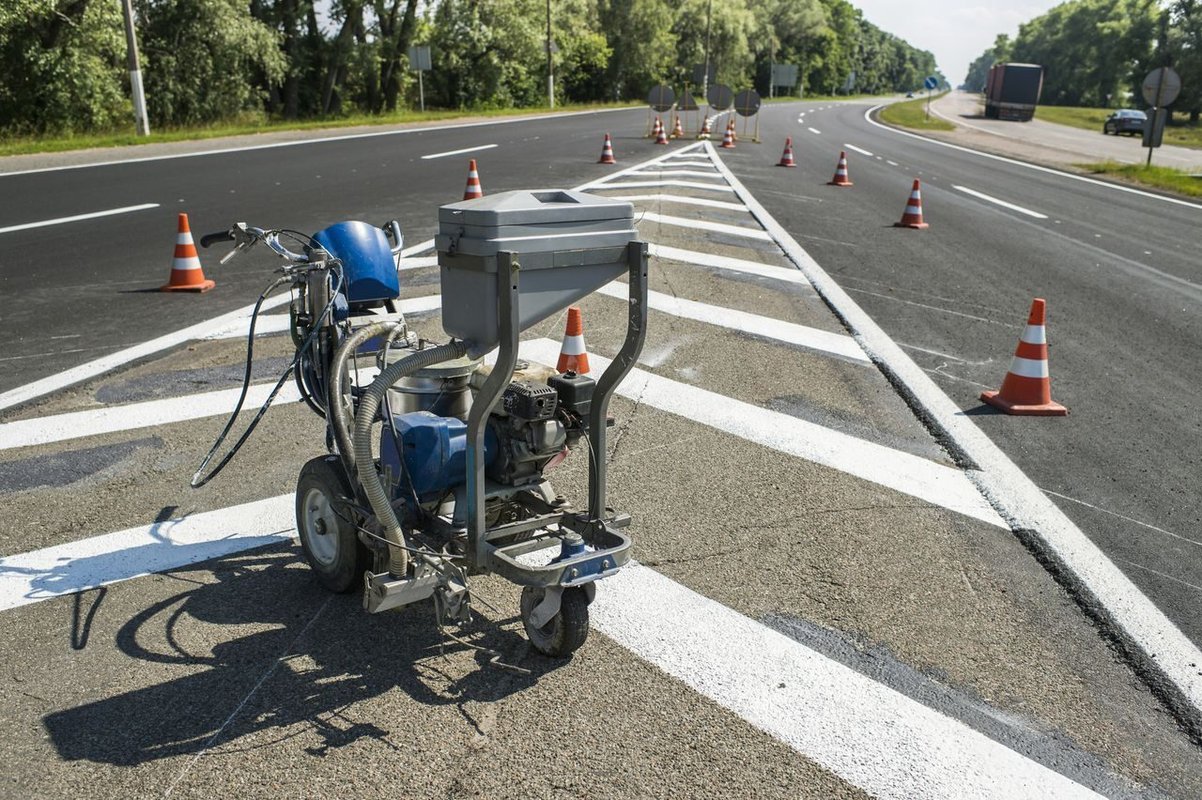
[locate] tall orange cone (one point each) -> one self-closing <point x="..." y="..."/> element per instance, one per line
<point x="661" y="135"/>
<point x="657" y="128"/>
<point x="786" y="158"/>
<point x="704" y="133"/>
<point x="186" y="273"/>
<point x="677" y="129"/>
<point x="912" y="216"/>
<point x="573" y="356"/>
<point x="1027" y="387"/>
<point x="473" y="190"/>
<point x="734" y="133"/>
<point x="728" y="139"/>
<point x="841" y="178"/>
<point x="607" y="152"/>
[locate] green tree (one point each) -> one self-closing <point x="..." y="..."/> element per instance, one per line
<point x="640" y="35"/>
<point x="1182" y="49"/>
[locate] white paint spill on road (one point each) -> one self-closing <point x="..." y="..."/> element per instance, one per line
<point x="1004" y="204"/>
<point x="836" y="344"/>
<point x="79" y="217"/>
<point x="943" y="486"/>
<point x="859" y="150"/>
<point x="786" y="274"/>
<point x="704" y="225"/>
<point x="459" y="152"/>
<point x="679" y="198"/>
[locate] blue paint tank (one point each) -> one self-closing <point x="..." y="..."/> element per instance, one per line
<point x="366" y="258"/>
<point x="433" y="454"/>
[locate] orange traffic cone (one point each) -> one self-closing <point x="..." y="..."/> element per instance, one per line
<point x="661" y="136"/>
<point x="730" y="126"/>
<point x="728" y="139"/>
<point x="573" y="356"/>
<point x="186" y="273"/>
<point x="912" y="216"/>
<point x="1027" y="387"/>
<point x="786" y="158"/>
<point x="607" y="152"/>
<point x="677" y="129"/>
<point x="657" y="128"/>
<point x="473" y="189"/>
<point x="704" y="133"/>
<point x="841" y="178"/>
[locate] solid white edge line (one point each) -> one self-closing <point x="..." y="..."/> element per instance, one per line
<point x="318" y="140"/>
<point x="1160" y="651"/>
<point x="997" y="201"/>
<point x="705" y="225"/>
<point x="859" y="150"/>
<point x="78" y="217"/>
<point x="459" y="152"/>
<point x="1048" y="170"/>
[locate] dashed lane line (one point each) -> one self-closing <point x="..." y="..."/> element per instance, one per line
<point x="79" y="217"/>
<point x="705" y="225"/>
<point x="814" y="131"/>
<point x="458" y="152"/>
<point x="859" y="150"/>
<point x="1155" y="646"/>
<point x="996" y="201"/>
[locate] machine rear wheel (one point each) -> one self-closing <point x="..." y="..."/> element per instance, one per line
<point x="329" y="540"/>
<point x="566" y="631"/>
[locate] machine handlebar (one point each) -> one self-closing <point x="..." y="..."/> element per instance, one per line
<point x="212" y="238"/>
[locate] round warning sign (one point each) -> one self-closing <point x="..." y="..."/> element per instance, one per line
<point x="747" y="102"/>
<point x="661" y="97"/>
<point x="720" y="97"/>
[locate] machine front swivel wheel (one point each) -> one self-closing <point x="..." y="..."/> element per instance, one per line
<point x="563" y="634"/>
<point x="331" y="545"/>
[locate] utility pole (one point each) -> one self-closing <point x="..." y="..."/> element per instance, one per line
<point x="550" y="62"/>
<point x="135" y="71"/>
<point x="705" y="79"/>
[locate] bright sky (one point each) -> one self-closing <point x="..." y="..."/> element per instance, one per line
<point x="956" y="31"/>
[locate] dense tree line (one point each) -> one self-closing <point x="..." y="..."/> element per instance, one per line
<point x="62" y="62"/>
<point x="1096" y="52"/>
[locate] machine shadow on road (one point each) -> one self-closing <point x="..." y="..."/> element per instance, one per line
<point x="331" y="655"/>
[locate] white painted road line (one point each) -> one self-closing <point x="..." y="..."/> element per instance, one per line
<point x="705" y="225"/>
<point x="713" y="187"/>
<point x="814" y="131"/>
<point x="680" y="198"/>
<point x="459" y="152"/>
<point x="868" y="734"/>
<point x="836" y="344"/>
<point x="786" y="274"/>
<point x="1157" y="646"/>
<point x="677" y="173"/>
<point x="859" y="150"/>
<point x="939" y="485"/>
<point x="996" y="201"/>
<point x="608" y="179"/>
<point x="279" y="323"/>
<point x="78" y="217"/>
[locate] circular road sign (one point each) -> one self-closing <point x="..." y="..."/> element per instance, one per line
<point x="1162" y="86"/>
<point x="747" y="102"/>
<point x="661" y="97"/>
<point x="931" y="82"/>
<point x="720" y="97"/>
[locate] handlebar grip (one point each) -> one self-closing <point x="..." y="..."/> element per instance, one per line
<point x="212" y="238"/>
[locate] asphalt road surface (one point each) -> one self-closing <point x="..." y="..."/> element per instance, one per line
<point x="843" y="590"/>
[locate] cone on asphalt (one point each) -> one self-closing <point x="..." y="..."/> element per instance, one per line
<point x="841" y="178"/>
<point x="728" y="139"/>
<point x="473" y="190"/>
<point x="677" y="129"/>
<point x="573" y="357"/>
<point x="1027" y="387"/>
<point x="607" y="152"/>
<point x="186" y="273"/>
<point x="734" y="134"/>
<point x="912" y="216"/>
<point x="657" y="128"/>
<point x="661" y="135"/>
<point x="705" y="129"/>
<point x="786" y="158"/>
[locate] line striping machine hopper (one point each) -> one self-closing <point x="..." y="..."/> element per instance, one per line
<point x="458" y="487"/>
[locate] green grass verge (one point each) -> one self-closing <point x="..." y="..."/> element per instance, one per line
<point x="1181" y="134"/>
<point x="913" y="114"/>
<point x="1173" y="180"/>
<point x="123" y="138"/>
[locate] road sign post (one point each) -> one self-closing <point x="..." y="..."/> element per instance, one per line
<point x="1160" y="88"/>
<point x="931" y="83"/>
<point x="419" y="59"/>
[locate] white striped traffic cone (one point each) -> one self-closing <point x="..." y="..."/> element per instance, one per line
<point x="841" y="177"/>
<point x="573" y="357"/>
<point x="786" y="158"/>
<point x="607" y="152"/>
<point x="186" y="272"/>
<point x="1027" y="387"/>
<point x="661" y="135"/>
<point x="704" y="133"/>
<point x="912" y="216"/>
<point x="728" y="139"/>
<point x="677" y="129"/>
<point x="473" y="189"/>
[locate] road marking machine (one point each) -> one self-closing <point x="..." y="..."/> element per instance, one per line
<point x="435" y="471"/>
